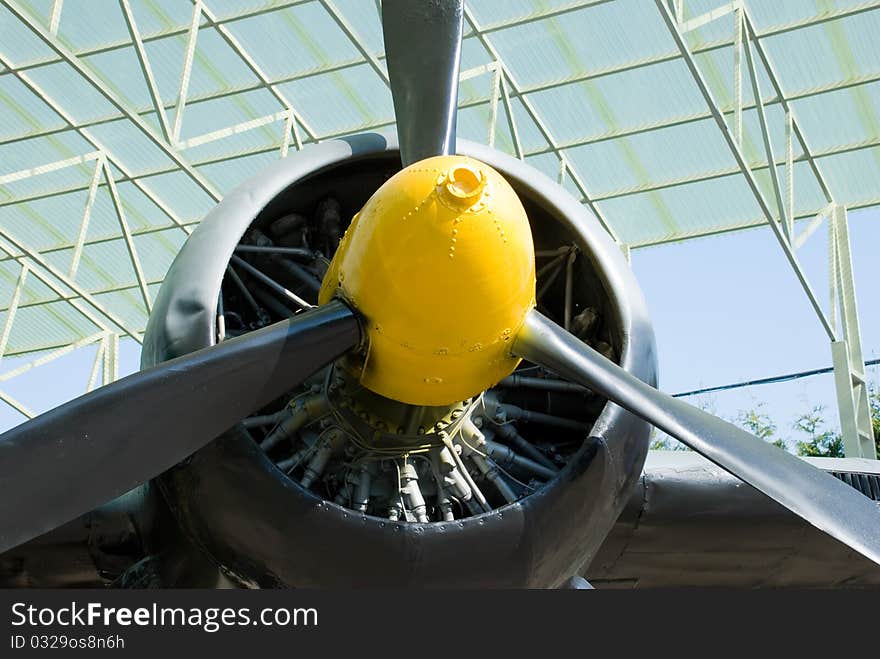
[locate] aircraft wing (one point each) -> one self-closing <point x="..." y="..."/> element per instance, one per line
<point x="690" y="523"/>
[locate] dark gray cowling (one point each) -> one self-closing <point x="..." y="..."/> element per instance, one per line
<point x="259" y="525"/>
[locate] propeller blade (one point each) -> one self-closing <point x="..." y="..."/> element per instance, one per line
<point x="819" y="498"/>
<point x="66" y="462"/>
<point x="423" y="50"/>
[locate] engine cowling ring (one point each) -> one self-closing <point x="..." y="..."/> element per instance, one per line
<point x="265" y="529"/>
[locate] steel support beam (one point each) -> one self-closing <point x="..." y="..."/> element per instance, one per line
<point x="138" y="179"/>
<point x="737" y="77"/>
<point x="96" y="367"/>
<point x="50" y="357"/>
<point x="747" y="173"/>
<point x="255" y="68"/>
<point x="87" y="214"/>
<point x="849" y="364"/>
<point x="186" y="73"/>
<point x="127" y="237"/>
<point x="765" y="132"/>
<point x="234" y="16"/>
<point x="89" y="137"/>
<point x="749" y="224"/>
<point x="786" y="106"/>
<point x="538" y="121"/>
<point x="17" y="406"/>
<point x="13" y="309"/>
<point x="849" y="367"/>
<point x="46" y="358"/>
<point x="355" y="39"/>
<point x="511" y="120"/>
<point x="580" y="77"/>
<point x="146" y="69"/>
<point x="69" y="297"/>
<point x="494" y="100"/>
<point x="89" y="76"/>
<point x="11" y="246"/>
<point x="55" y="15"/>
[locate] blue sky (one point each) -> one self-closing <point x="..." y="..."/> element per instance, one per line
<point x="725" y="309"/>
<point x="728" y="309"/>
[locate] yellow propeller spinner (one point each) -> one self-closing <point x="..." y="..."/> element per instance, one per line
<point x="440" y="264"/>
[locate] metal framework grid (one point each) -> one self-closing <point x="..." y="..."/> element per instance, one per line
<point x="124" y="121"/>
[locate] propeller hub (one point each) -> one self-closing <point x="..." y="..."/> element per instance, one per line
<point x="440" y="263"/>
<point x="463" y="186"/>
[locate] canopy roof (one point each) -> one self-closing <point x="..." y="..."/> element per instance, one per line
<point x="98" y="189"/>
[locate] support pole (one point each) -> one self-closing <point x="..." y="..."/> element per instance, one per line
<point x="849" y="365"/>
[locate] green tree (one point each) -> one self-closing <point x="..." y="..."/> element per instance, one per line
<point x="821" y="442"/>
<point x="759" y="423"/>
<point x="660" y="441"/>
<point x="874" y="401"/>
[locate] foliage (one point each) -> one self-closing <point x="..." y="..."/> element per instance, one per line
<point x="874" y="401"/>
<point x="660" y="441"/>
<point x="820" y="443"/>
<point x="759" y="423"/>
<point x="827" y="443"/>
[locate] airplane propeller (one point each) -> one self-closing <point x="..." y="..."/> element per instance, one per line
<point x="827" y="503"/>
<point x="423" y="49"/>
<point x="80" y="455"/>
<point x="71" y="459"/>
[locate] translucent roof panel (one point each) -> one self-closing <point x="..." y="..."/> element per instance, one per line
<point x="137" y="117"/>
